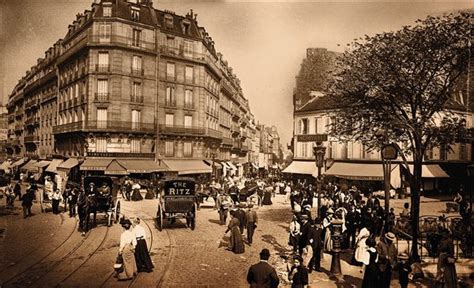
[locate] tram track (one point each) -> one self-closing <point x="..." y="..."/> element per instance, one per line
<point x="134" y="280"/>
<point x="69" y="236"/>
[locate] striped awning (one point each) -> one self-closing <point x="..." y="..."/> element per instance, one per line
<point x="30" y="166"/>
<point x="68" y="164"/>
<point x="115" y="168"/>
<point x="95" y="164"/>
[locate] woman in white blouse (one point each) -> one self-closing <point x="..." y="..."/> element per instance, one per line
<point x="128" y="242"/>
<point x="142" y="256"/>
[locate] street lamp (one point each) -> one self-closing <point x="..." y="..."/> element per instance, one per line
<point x="389" y="152"/>
<point x="319" y="151"/>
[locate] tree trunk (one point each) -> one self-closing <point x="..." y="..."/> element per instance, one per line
<point x="415" y="200"/>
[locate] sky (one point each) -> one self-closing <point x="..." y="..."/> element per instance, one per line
<point x="264" y="42"/>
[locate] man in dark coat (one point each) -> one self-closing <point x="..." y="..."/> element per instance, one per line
<point x="387" y="260"/>
<point x="240" y="214"/>
<point x="315" y="240"/>
<point x="27" y="202"/>
<point x="305" y="229"/>
<point x="352" y="223"/>
<point x="262" y="274"/>
<point x="252" y="220"/>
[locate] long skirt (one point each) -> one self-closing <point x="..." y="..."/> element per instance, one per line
<point x="142" y="257"/>
<point x="236" y="243"/>
<point x="267" y="198"/>
<point x="136" y="195"/>
<point x="327" y="241"/>
<point x="129" y="264"/>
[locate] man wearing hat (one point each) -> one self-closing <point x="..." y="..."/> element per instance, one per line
<point x="316" y="243"/>
<point x="305" y="229"/>
<point x="326" y="230"/>
<point x="404" y="270"/>
<point x="252" y="220"/>
<point x="387" y="258"/>
<point x="240" y="214"/>
<point x="262" y="274"/>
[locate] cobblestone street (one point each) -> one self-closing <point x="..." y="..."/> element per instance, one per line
<point x="47" y="251"/>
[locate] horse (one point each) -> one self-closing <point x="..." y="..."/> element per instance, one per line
<point x="86" y="204"/>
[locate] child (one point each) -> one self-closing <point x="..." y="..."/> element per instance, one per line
<point x="404" y="270"/>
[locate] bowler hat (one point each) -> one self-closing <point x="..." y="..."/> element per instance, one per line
<point x="390" y="236"/>
<point x="265" y="253"/>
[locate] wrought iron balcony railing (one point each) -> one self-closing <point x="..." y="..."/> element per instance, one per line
<point x="107" y="126"/>
<point x="181" y="130"/>
<point x="103" y="97"/>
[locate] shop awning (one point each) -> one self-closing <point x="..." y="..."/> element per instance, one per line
<point x="18" y="163"/>
<point x="115" y="168"/>
<point x="141" y="165"/>
<point x="364" y="172"/>
<point x="54" y="165"/>
<point x="231" y="166"/>
<point x="216" y="164"/>
<point x="184" y="167"/>
<point x="30" y="166"/>
<point x="95" y="164"/>
<point x="68" y="164"/>
<point x="302" y="167"/>
<point x="431" y="171"/>
<point x="42" y="163"/>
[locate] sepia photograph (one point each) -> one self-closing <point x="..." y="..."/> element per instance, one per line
<point x="222" y="144"/>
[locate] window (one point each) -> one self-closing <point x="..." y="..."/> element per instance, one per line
<point x="170" y="97"/>
<point x="303" y="123"/>
<point x="136" y="36"/>
<point x="316" y="124"/>
<point x="103" y="62"/>
<point x="188" y="98"/>
<point x="102" y="90"/>
<point x="170" y="42"/>
<point x="137" y="92"/>
<point x="107" y="11"/>
<point x="101" y="118"/>
<point x="105" y="32"/>
<point x="188" y="149"/>
<point x="136" y="119"/>
<point x="101" y="144"/>
<point x="188" y="48"/>
<point x="443" y="152"/>
<point x="170" y="70"/>
<point x="137" y="65"/>
<point x="188" y="121"/>
<point x="135" y="13"/>
<point x="186" y="27"/>
<point x="169" y="121"/>
<point x="169" y="148"/>
<point x="169" y="21"/>
<point x="189" y="73"/>
<point x="135" y="146"/>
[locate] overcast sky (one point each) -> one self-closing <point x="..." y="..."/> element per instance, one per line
<point x="264" y="42"/>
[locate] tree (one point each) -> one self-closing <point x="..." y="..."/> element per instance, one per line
<point x="402" y="83"/>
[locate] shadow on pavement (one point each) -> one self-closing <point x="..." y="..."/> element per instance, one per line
<point x="270" y="239"/>
<point x="214" y="221"/>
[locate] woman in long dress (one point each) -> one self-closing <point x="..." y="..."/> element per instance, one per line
<point x="127" y="248"/>
<point x="361" y="255"/>
<point x="372" y="273"/>
<point x="446" y="272"/>
<point x="236" y="243"/>
<point x="142" y="256"/>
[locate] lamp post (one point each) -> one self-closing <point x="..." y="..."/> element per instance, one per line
<point x="389" y="152"/>
<point x="319" y="151"/>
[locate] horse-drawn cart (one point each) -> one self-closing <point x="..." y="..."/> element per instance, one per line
<point x="100" y="197"/>
<point x="178" y="200"/>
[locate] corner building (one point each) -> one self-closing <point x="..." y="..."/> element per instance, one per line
<point x="130" y="81"/>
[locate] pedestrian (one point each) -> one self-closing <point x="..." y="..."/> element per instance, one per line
<point x="27" y="203"/>
<point x="446" y="269"/>
<point x="55" y="201"/>
<point x="387" y="253"/>
<point x="353" y="219"/>
<point x="295" y="233"/>
<point x="287" y="192"/>
<point x="361" y="256"/>
<point x="316" y="245"/>
<point x="142" y="257"/>
<point x="236" y="244"/>
<point x="128" y="243"/>
<point x="298" y="274"/>
<point x="262" y="274"/>
<point x="240" y="214"/>
<point x="17" y="190"/>
<point x="304" y="235"/>
<point x="372" y="273"/>
<point x="404" y="270"/>
<point x="327" y="230"/>
<point x="252" y="220"/>
<point x="72" y="196"/>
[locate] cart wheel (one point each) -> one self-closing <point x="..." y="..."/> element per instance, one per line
<point x="117" y="211"/>
<point x="192" y="221"/>
<point x="159" y="218"/>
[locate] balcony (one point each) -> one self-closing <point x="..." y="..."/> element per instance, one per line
<point x="170" y="103"/>
<point x="122" y="41"/>
<point x="136" y="98"/>
<point x="182" y="130"/>
<point x="31" y="121"/>
<point x="31" y="139"/>
<point x="101" y="97"/>
<point x="102" y="68"/>
<point x="107" y="126"/>
<point x="189" y="105"/>
<point x="243" y="122"/>
<point x="227" y="141"/>
<point x="213" y="133"/>
<point x="121" y="155"/>
<point x="138" y="72"/>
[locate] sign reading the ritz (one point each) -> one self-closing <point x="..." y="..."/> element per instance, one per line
<point x="312" y="138"/>
<point x="179" y="188"/>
